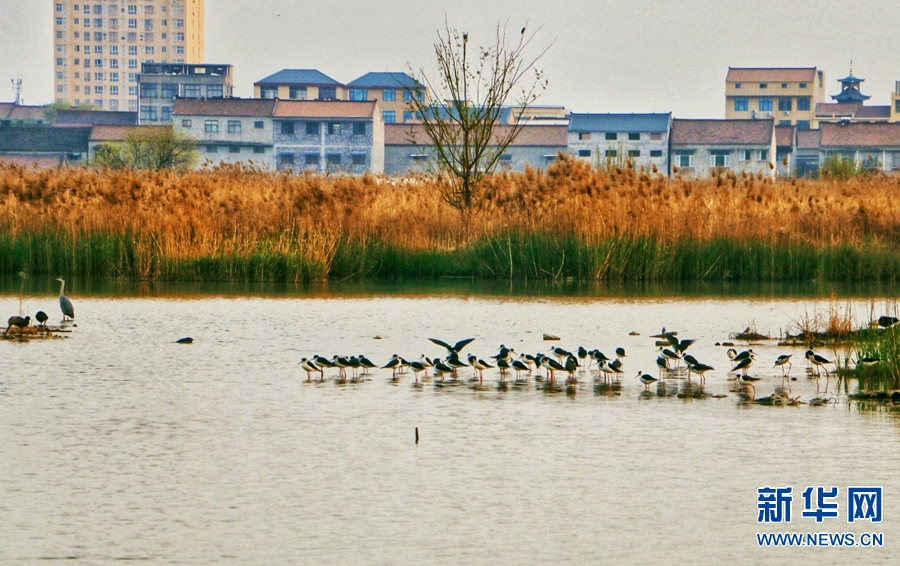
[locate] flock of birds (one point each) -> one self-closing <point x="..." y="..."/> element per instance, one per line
<point x="673" y="359"/>
<point x="65" y="305"/>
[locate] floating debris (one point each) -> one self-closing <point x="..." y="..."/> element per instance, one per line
<point x="634" y="333"/>
<point x="778" y="399"/>
<point x="819" y="401"/>
<point x="551" y="337"/>
<point x="185" y="340"/>
<point x="376" y="337"/>
<point x="727" y="343"/>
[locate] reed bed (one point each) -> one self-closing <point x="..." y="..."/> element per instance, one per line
<point x="572" y="220"/>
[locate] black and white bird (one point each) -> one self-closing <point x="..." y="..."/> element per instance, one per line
<point x="887" y="321"/>
<point x="310" y="367"/>
<point x="552" y="366"/>
<point x="582" y="355"/>
<point x="747" y="380"/>
<point x="743" y="365"/>
<point x="417" y="367"/>
<point x="478" y="367"/>
<point x="817" y="360"/>
<point x="700" y="369"/>
<point x="519" y="366"/>
<point x="456" y="348"/>
<point x="783" y="360"/>
<point x="646" y="379"/>
<point x="393" y="364"/>
<point x="365" y="363"/>
<point x="442" y="368"/>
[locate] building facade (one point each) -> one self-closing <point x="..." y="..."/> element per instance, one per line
<point x="868" y="145"/>
<point x="786" y="95"/>
<point x="393" y="91"/>
<point x="300" y="84"/>
<point x="44" y="146"/>
<point x="229" y="130"/>
<point x="610" y="139"/>
<point x="159" y="84"/>
<point x="99" y="46"/>
<point x="700" y="147"/>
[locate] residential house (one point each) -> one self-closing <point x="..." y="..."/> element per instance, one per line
<point x="700" y="147"/>
<point x="229" y="130"/>
<point x="407" y="147"/>
<point x="612" y="138"/>
<point x="44" y="146"/>
<point x="785" y="140"/>
<point x="786" y="95"/>
<point x="332" y="136"/>
<point x="12" y="114"/>
<point x="300" y="84"/>
<point x="115" y="134"/>
<point x="393" y="91"/>
<point x="870" y="146"/>
<point x="159" y="84"/>
<point x="807" y="152"/>
<point x="76" y="117"/>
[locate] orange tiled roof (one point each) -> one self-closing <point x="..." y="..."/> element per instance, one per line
<point x="224" y="107"/>
<point x="119" y="133"/>
<point x="710" y="132"/>
<point x="771" y="75"/>
<point x="860" y="135"/>
<point x="784" y="136"/>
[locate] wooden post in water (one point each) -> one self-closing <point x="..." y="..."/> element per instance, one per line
<point x="417" y="435"/>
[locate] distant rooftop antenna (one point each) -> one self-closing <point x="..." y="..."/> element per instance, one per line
<point x="17" y="89"/>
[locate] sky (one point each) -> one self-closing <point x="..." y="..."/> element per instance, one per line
<point x="604" y="56"/>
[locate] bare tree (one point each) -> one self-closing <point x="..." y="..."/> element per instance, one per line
<point x="149" y="147"/>
<point x="462" y="125"/>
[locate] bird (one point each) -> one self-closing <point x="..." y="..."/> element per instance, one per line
<point x="817" y="360"/>
<point x="671" y="355"/>
<point x="662" y="364"/>
<point x="18" y="321"/>
<point x="783" y="360"/>
<point x="743" y="355"/>
<point x="732" y="353"/>
<point x="478" y="367"/>
<point x="646" y="379"/>
<point x="185" y="340"/>
<point x="441" y="368"/>
<point x="520" y="366"/>
<point x="322" y="362"/>
<point x="887" y="321"/>
<point x="503" y="366"/>
<point x="690" y="360"/>
<point x="683" y="345"/>
<point x="366" y="363"/>
<point x="552" y="366"/>
<point x="743" y="365"/>
<point x="65" y="304"/>
<point x="664" y="335"/>
<point x="393" y="364"/>
<point x="748" y="380"/>
<point x="309" y="367"/>
<point x="700" y="369"/>
<point x="456" y="348"/>
<point x="868" y="361"/>
<point x="417" y="367"/>
<point x="523" y="31"/>
<point x="42" y="317"/>
<point x="582" y="354"/>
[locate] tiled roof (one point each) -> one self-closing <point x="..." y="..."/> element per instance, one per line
<point x="42" y="161"/>
<point x="26" y="113"/>
<point x="771" y="75"/>
<point x="860" y="135"/>
<point x="324" y="109"/>
<point x="94" y="117"/>
<point x="833" y="110"/>
<point x="872" y="112"/>
<point x="298" y="77"/>
<point x="224" y="107"/>
<point x="5" y="109"/>
<point x="784" y="136"/>
<point x="43" y="139"/>
<point x="542" y="136"/>
<point x="619" y="122"/>
<point x="850" y="95"/>
<point x="119" y="133"/>
<point x="710" y="132"/>
<point x="808" y="139"/>
<point x="384" y="80"/>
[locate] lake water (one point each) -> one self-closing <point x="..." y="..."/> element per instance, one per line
<point x="116" y="443"/>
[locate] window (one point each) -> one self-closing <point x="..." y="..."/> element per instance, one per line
<point x="634" y="136"/>
<point x="784" y="104"/>
<point x="132" y="23"/>
<point x="113" y="104"/>
<point x="311" y="159"/>
<point x="114" y="23"/>
<point x="656" y="136"/>
<point x="234" y="126"/>
<point x="87" y="22"/>
<point x="148" y="113"/>
<point x="179" y="23"/>
<point x="87" y="63"/>
<point x="114" y="90"/>
<point x="59" y="62"/>
<point x="802" y="124"/>
<point x="215" y="91"/>
<point x="113" y="49"/>
<point x="719" y="157"/>
<point x="389" y="95"/>
<point x="211" y="126"/>
<point x="334" y="129"/>
<point x="132" y="37"/>
<point x="59" y="21"/>
<point x="132" y="78"/>
<point x="258" y="124"/>
<point x="584" y="153"/>
<point x="327" y="93"/>
<point x="179" y="50"/>
<point x="359" y="158"/>
<point x="634" y="153"/>
<point x="612" y="153"/>
<point x="420" y="95"/>
<point x="784" y="85"/>
<point x="98" y="76"/>
<point x="741" y="104"/>
<point x="612" y="136"/>
<point x="803" y="103"/>
<point x="802" y="85"/>
<point x="297" y="93"/>
<point x="762" y="154"/>
<point x="359" y="128"/>
<point x="148" y="90"/>
<point x="179" y="36"/>
<point x="237" y="149"/>
<point x="358" y="94"/>
<point x="113" y="63"/>
<point x="784" y="123"/>
<point x="59" y="89"/>
<point x="312" y="128"/>
<point x="132" y="49"/>
<point x="745" y="155"/>
<point x="765" y="104"/>
<point x="407" y="96"/>
<point x="389" y="116"/>
<point x="98" y="22"/>
<point x="738" y="85"/>
<point x="655" y="153"/>
<point x="763" y="85"/>
<point x="584" y="136"/>
<point x="212" y="149"/>
<point x="287" y="128"/>
<point x="132" y="63"/>
<point x="186" y="123"/>
<point x="59" y="8"/>
<point x="148" y="24"/>
<point x="132" y="10"/>
<point x="191" y="91"/>
<point x="268" y="92"/>
<point x="407" y="115"/>
<point x="684" y="158"/>
<point x="333" y="158"/>
<point x="259" y="149"/>
<point x="98" y="62"/>
<point x="59" y="35"/>
<point x="132" y="91"/>
<point x="169" y="91"/>
<point x="149" y="50"/>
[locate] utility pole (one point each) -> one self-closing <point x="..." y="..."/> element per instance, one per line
<point x="17" y="89"/>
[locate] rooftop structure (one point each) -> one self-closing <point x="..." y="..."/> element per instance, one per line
<point x="787" y="95"/>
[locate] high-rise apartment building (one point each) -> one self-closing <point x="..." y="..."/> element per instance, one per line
<point x="99" y="46"/>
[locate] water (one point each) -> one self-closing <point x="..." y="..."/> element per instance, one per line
<point x="116" y="443"/>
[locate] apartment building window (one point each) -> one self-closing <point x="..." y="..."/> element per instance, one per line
<point x="179" y="36"/>
<point x="389" y="95"/>
<point x="98" y="22"/>
<point x="407" y="96"/>
<point x="132" y="37"/>
<point x="87" y="63"/>
<point x="113" y="23"/>
<point x="333" y="159"/>
<point x="584" y="136"/>
<point x="148" y="10"/>
<point x="358" y="94"/>
<point x="258" y="149"/>
<point x="148" y="36"/>
<point x="215" y="91"/>
<point x="59" y="35"/>
<point x="59" y="8"/>
<point x="59" y="89"/>
<point x="179" y="23"/>
<point x="113" y="49"/>
<point x="312" y="128"/>
<point x="684" y="158"/>
<point x="287" y="128"/>
<point x="132" y="10"/>
<point x="98" y="76"/>
<point x="389" y="116"/>
<point x="168" y="91"/>
<point x="186" y="123"/>
<point x="258" y="124"/>
<point x="327" y="93"/>
<point x="784" y="104"/>
<point x="192" y="91"/>
<point x="113" y="104"/>
<point x="655" y="153"/>
<point x="132" y="78"/>
<point x="719" y="157"/>
<point x="334" y="129"/>
<point x="179" y="50"/>
<point x="634" y="153"/>
<point x="211" y="126"/>
<point x="802" y="85"/>
<point x="765" y="104"/>
<point x="297" y="93"/>
<point x="407" y="115"/>
<point x="132" y="49"/>
<point x="98" y="49"/>
<point x="235" y="149"/>
<point x="359" y="128"/>
<point x="803" y="103"/>
<point x="803" y="124"/>
<point x="741" y="104"/>
<point x="132" y="23"/>
<point x="149" y="50"/>
<point x="86" y="22"/>
<point x="584" y="153"/>
<point x="114" y="77"/>
<point x="148" y="90"/>
<point x="234" y="126"/>
<point x="311" y="159"/>
<point x="738" y="85"/>
<point x="114" y="90"/>
<point x="763" y="85"/>
<point x="612" y="153"/>
<point x="268" y="92"/>
<point x="634" y="136"/>
<point x="60" y="76"/>
<point x="132" y="63"/>
<point x="148" y="113"/>
<point x="59" y="21"/>
<point x="358" y="158"/>
<point x="60" y="61"/>
<point x="286" y="158"/>
<point x="612" y="136"/>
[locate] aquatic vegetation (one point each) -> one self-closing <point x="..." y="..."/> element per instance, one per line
<point x="570" y="221"/>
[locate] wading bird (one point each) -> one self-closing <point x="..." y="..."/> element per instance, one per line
<point x="817" y="360"/>
<point x="393" y="365"/>
<point x="65" y="305"/>
<point x="18" y="321"/>
<point x="748" y="380"/>
<point x="783" y="360"/>
<point x="646" y="379"/>
<point x="456" y="348"/>
<point x="309" y="367"/>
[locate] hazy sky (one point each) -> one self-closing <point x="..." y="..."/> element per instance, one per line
<point x="607" y="56"/>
